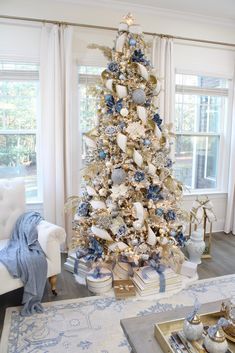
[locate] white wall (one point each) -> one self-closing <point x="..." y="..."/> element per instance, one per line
<point x="199" y="58"/>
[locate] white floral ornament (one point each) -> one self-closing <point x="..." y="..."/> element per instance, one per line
<point x="119" y="191"/>
<point x="135" y="130"/>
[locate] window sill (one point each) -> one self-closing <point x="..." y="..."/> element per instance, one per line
<point x="213" y="194"/>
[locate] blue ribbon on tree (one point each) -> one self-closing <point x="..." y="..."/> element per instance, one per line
<point x="90" y="254"/>
<point x="159" y="268"/>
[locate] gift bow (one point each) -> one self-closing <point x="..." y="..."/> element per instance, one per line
<point x="90" y="254"/>
<point x="201" y="207"/>
<point x="98" y="274"/>
<point x="159" y="268"/>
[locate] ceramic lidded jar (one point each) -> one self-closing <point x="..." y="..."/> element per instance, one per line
<point x="193" y="328"/>
<point x="195" y="247"/>
<point x="216" y="343"/>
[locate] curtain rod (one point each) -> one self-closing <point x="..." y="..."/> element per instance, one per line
<point x="232" y="45"/>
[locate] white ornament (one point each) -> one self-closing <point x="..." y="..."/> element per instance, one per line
<point x="118" y="176"/>
<point x="121" y="91"/>
<point x="143" y="71"/>
<point x="151" y="169"/>
<point x="122" y="141"/>
<point x="137" y="225"/>
<point x="91" y="191"/>
<point x="120" y="42"/>
<point x="101" y="233"/>
<point x="109" y="84"/>
<point x="135" y="130"/>
<point x="138" y="159"/>
<point x="142" y="114"/>
<point x="152" y="239"/>
<point x="195" y="247"/>
<point x="97" y="205"/>
<point x="124" y="112"/>
<point x="118" y="245"/>
<point x="139" y="211"/>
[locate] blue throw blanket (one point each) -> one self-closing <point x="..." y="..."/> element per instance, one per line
<point x="25" y="259"/>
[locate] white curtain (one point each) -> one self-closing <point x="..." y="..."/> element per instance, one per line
<point x="58" y="123"/>
<point x="163" y="62"/>
<point x="230" y="213"/>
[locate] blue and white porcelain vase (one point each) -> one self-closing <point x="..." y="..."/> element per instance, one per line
<point x="195" y="247"/>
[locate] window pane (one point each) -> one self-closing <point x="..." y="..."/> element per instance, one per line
<point x="197" y="113"/>
<point x="201" y="81"/>
<point x="196" y="161"/>
<point x="18" y="159"/>
<point x="18" y="105"/>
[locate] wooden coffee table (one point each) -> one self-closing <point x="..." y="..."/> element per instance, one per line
<point x="140" y="330"/>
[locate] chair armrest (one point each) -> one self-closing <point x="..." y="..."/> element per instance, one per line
<point x="49" y="236"/>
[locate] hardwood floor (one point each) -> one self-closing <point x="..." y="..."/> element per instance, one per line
<point x="222" y="263"/>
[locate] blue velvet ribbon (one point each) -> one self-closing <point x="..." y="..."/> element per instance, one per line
<point x="153" y="265"/>
<point x="98" y="274"/>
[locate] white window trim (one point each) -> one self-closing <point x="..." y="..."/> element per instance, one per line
<point x="225" y="135"/>
<point x="26" y="75"/>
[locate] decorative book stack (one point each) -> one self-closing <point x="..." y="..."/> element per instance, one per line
<point x="100" y="280"/>
<point x="81" y="267"/>
<point x="148" y="282"/>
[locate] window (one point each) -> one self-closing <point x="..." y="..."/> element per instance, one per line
<point x="19" y="92"/>
<point x="88" y="78"/>
<point x="200" y="111"/>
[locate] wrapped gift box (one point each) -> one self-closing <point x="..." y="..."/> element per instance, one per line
<point x="100" y="282"/>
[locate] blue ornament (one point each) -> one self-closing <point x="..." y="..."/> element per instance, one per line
<point x="153" y="193"/>
<point x="139" y="176"/>
<point x="170" y="215"/>
<point x="113" y="66"/>
<point x="83" y="209"/>
<point x="109" y="100"/>
<point x="169" y="163"/>
<point x="157" y="120"/>
<point x="181" y="239"/>
<point x="159" y="212"/>
<point x="147" y="142"/>
<point x="102" y="155"/>
<point x="132" y="42"/>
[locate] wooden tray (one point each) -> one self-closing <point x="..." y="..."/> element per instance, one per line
<point x="163" y="331"/>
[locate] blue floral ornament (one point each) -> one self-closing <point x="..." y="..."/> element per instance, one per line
<point x="157" y="120"/>
<point x="169" y="163"/>
<point x="109" y="100"/>
<point x="159" y="212"/>
<point x="138" y="56"/>
<point x="132" y="42"/>
<point x="170" y="215"/>
<point x="83" y="209"/>
<point x="121" y="230"/>
<point x="113" y="66"/>
<point x="122" y="125"/>
<point x="110" y="130"/>
<point x="102" y="154"/>
<point x="153" y="193"/>
<point x="139" y="176"/>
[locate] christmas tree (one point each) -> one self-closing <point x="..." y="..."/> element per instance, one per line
<point x="130" y="203"/>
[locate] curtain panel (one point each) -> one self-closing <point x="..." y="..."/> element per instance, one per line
<point x="58" y="86"/>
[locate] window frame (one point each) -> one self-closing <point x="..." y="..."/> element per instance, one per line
<point x="25" y="76"/>
<point x="224" y="133"/>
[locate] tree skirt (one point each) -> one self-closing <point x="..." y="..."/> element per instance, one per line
<point x="93" y="324"/>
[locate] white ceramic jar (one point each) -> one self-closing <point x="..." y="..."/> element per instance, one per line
<point x="195" y="247"/>
<point x="193" y="329"/>
<point x="217" y="345"/>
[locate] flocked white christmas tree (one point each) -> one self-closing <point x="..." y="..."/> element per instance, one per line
<point x="130" y="204"/>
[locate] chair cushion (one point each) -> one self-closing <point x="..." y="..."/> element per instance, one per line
<point x="12" y="205"/>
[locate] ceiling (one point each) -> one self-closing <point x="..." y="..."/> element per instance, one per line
<point x="220" y="9"/>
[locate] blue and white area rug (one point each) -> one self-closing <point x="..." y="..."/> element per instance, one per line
<point x="93" y="324"/>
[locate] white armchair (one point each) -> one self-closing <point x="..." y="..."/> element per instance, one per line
<point x="50" y="236"/>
